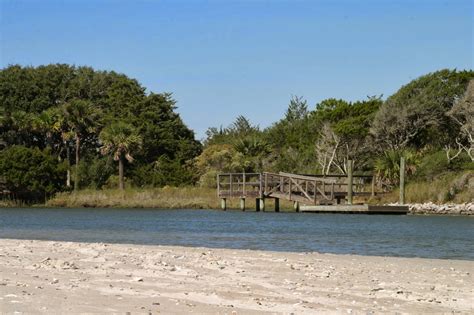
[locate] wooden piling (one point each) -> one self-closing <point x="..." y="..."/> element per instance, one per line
<point x="257" y="204"/>
<point x="372" y="190"/>
<point x="402" y="181"/>
<point x="349" y="181"/>
<point x="223" y="204"/>
<point x="296" y="206"/>
<point x="242" y="204"/>
<point x="277" y="205"/>
<point x="262" y="204"/>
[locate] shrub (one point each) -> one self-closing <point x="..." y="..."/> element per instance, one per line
<point x="31" y="174"/>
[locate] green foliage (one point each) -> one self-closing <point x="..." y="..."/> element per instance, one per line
<point x="297" y="110"/>
<point x="162" y="130"/>
<point x="96" y="171"/>
<point x="61" y="109"/>
<point x="239" y="129"/>
<point x="216" y="158"/>
<point x="387" y="166"/>
<point x="31" y="174"/>
<point x="120" y="139"/>
<point x="434" y="164"/>
<point x="416" y="114"/>
<point x="64" y="108"/>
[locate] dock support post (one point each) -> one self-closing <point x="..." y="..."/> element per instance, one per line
<point x="372" y="192"/>
<point x="262" y="204"/>
<point x="242" y="204"/>
<point x="296" y="206"/>
<point x="402" y="180"/>
<point x="349" y="181"/>
<point x="223" y="204"/>
<point x="257" y="204"/>
<point x="277" y="205"/>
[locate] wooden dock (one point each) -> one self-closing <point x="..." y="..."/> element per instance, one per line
<point x="309" y="193"/>
<point x="363" y="209"/>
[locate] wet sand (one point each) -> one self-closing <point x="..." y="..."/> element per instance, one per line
<point x="65" y="277"/>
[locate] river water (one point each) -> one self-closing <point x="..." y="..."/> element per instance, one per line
<point x="449" y="237"/>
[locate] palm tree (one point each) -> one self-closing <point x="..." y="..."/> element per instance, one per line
<point x="49" y="123"/>
<point x="120" y="139"/>
<point x="82" y="118"/>
<point x="387" y="166"/>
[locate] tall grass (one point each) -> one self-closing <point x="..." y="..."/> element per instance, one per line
<point x="165" y="198"/>
<point x="455" y="188"/>
<point x="10" y="203"/>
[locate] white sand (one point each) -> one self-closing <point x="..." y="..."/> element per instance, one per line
<point x="62" y="277"/>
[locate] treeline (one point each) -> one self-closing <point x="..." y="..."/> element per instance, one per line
<point x="84" y="124"/>
<point x="429" y="121"/>
<point x="65" y="127"/>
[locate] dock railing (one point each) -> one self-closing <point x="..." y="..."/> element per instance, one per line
<point x="239" y="185"/>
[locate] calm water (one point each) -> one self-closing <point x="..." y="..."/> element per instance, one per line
<point x="384" y="235"/>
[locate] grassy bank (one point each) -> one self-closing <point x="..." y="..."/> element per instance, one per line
<point x="447" y="188"/>
<point x="450" y="188"/>
<point x="9" y="204"/>
<point x="166" y="198"/>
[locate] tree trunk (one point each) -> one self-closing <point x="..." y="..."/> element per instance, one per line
<point x="76" y="177"/>
<point x="121" y="186"/>
<point x="68" y="161"/>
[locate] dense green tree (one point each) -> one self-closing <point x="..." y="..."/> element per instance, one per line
<point x="31" y="174"/>
<point x="64" y="107"/>
<point x="416" y="114"/>
<point x="297" y="109"/>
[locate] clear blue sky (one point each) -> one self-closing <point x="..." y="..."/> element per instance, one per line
<point x="225" y="58"/>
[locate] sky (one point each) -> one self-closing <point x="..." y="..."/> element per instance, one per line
<point x="221" y="59"/>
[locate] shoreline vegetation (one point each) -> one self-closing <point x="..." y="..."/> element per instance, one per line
<point x="111" y="278"/>
<point x="64" y="127"/>
<point x="452" y="195"/>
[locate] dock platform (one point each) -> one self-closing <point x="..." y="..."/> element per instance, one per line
<point x="363" y="209"/>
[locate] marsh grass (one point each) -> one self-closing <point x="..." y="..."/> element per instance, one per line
<point x="10" y="204"/>
<point x="448" y="188"/>
<point x="164" y="198"/>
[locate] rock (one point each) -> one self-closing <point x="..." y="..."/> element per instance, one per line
<point x="432" y="208"/>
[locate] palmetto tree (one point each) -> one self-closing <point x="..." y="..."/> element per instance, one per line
<point x="82" y="118"/>
<point x="49" y="123"/>
<point x="387" y="166"/>
<point x="121" y="140"/>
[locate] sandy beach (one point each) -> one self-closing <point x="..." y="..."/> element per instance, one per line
<point x="47" y="277"/>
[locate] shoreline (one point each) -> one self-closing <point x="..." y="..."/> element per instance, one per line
<point x="50" y="276"/>
<point x="427" y="208"/>
<point x="430" y="208"/>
